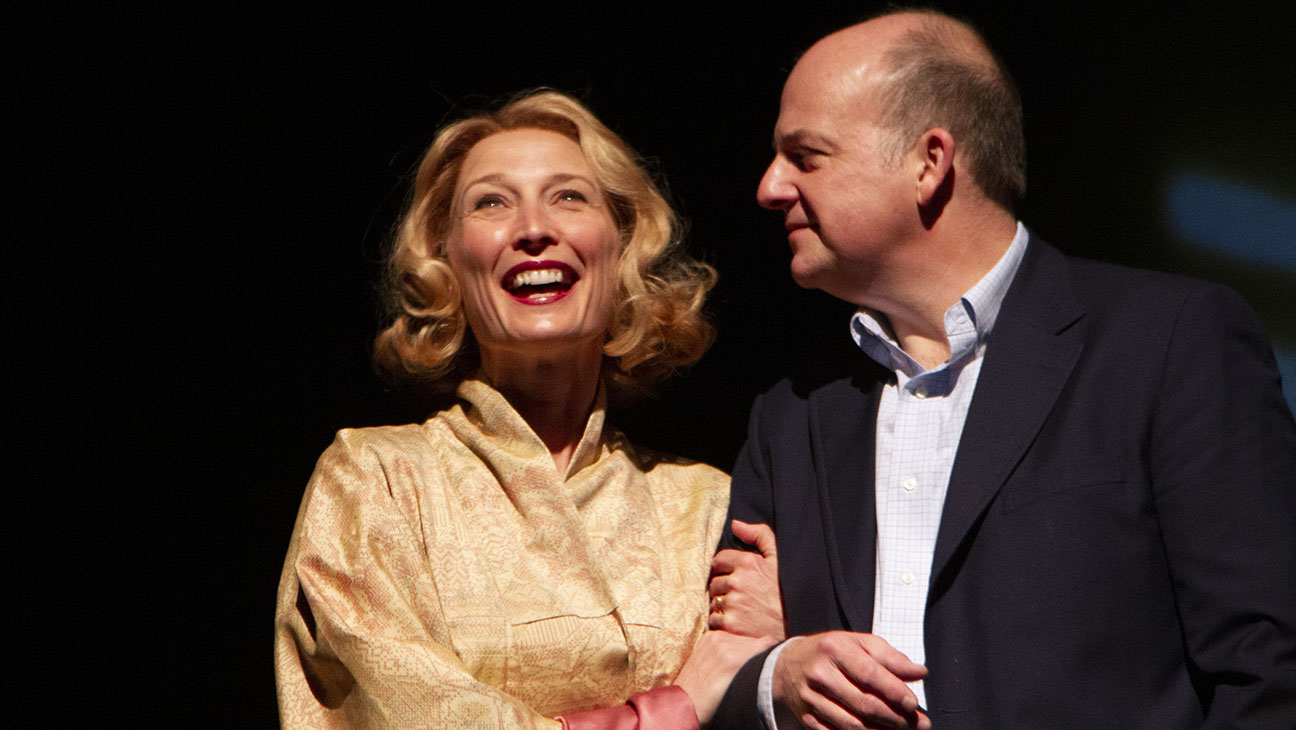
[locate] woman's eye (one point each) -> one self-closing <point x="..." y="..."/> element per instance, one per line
<point x="488" y="201"/>
<point x="568" y="196"/>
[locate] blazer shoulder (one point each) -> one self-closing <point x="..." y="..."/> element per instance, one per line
<point x="797" y="391"/>
<point x="787" y="407"/>
<point x="1095" y="279"/>
<point x="1105" y="290"/>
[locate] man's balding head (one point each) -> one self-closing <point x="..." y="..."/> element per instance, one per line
<point x="898" y="141"/>
<point x="914" y="70"/>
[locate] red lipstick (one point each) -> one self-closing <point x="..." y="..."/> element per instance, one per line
<point x="539" y="282"/>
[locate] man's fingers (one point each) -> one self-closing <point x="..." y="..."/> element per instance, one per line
<point x="837" y="702"/>
<point x="867" y="662"/>
<point x="858" y="709"/>
<point x="892" y="659"/>
<point x="758" y="535"/>
<point x="872" y="678"/>
<point x="828" y="715"/>
<point x="836" y="677"/>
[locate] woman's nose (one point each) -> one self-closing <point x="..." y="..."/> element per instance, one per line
<point x="535" y="230"/>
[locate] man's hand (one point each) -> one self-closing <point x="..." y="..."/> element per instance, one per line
<point x="744" y="587"/>
<point x="847" y="680"/>
<point x="717" y="656"/>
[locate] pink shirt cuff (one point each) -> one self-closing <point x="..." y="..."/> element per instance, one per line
<point x="663" y="708"/>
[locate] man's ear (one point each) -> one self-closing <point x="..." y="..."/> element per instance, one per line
<point x="935" y="149"/>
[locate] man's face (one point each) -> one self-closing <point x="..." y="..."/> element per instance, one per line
<point x="845" y="207"/>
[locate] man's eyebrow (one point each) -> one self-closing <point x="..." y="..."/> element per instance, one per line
<point x="801" y="137"/>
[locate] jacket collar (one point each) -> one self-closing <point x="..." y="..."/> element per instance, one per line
<point x="1028" y="360"/>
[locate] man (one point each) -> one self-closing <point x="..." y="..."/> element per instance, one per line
<point x="1057" y="493"/>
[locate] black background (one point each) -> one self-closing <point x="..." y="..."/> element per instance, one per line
<point x="199" y="204"/>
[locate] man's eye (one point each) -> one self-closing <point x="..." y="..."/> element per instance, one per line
<point x="803" y="159"/>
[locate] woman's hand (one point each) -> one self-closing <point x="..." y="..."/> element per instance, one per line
<point x="745" y="597"/>
<point x="717" y="656"/>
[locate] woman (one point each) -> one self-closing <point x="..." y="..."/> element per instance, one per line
<point x="514" y="559"/>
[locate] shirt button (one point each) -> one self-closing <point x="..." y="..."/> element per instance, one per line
<point x="906" y="577"/>
<point x="920" y="391"/>
<point x="910" y="484"/>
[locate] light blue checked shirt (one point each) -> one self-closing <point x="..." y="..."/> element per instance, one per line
<point x="920" y="419"/>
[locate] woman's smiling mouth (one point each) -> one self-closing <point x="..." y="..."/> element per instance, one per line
<point x="539" y="282"/>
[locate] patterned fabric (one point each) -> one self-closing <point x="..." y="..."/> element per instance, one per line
<point x="446" y="575"/>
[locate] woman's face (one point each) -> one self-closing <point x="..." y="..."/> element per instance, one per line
<point x="533" y="244"/>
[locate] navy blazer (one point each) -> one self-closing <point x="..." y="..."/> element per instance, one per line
<point x="1118" y="542"/>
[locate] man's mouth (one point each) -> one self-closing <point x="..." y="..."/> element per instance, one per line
<point x="539" y="282"/>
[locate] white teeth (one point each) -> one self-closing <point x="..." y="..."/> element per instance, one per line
<point x="539" y="277"/>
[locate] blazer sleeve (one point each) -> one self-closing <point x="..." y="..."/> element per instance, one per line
<point x="1222" y="458"/>
<point x="750" y="500"/>
<point x="751" y="493"/>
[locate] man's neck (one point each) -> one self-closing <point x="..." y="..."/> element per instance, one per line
<point x="950" y="260"/>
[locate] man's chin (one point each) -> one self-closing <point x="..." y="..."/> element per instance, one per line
<point x="806" y="277"/>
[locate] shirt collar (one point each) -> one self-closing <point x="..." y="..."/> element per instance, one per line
<point x="967" y="323"/>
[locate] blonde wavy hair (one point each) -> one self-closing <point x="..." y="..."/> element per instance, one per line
<point x="657" y="324"/>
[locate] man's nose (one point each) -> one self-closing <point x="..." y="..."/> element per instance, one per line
<point x="535" y="229"/>
<point x="775" y="191"/>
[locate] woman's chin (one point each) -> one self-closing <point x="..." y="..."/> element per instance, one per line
<point x="545" y="340"/>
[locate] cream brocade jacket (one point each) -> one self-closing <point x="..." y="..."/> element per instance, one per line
<point x="444" y="575"/>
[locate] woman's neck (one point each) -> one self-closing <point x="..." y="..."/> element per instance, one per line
<point x="554" y="395"/>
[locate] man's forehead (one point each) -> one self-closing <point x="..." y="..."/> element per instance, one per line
<point x="822" y="105"/>
<point x="817" y="78"/>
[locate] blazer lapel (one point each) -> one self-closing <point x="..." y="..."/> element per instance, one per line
<point x="1030" y="356"/>
<point x="843" y="421"/>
